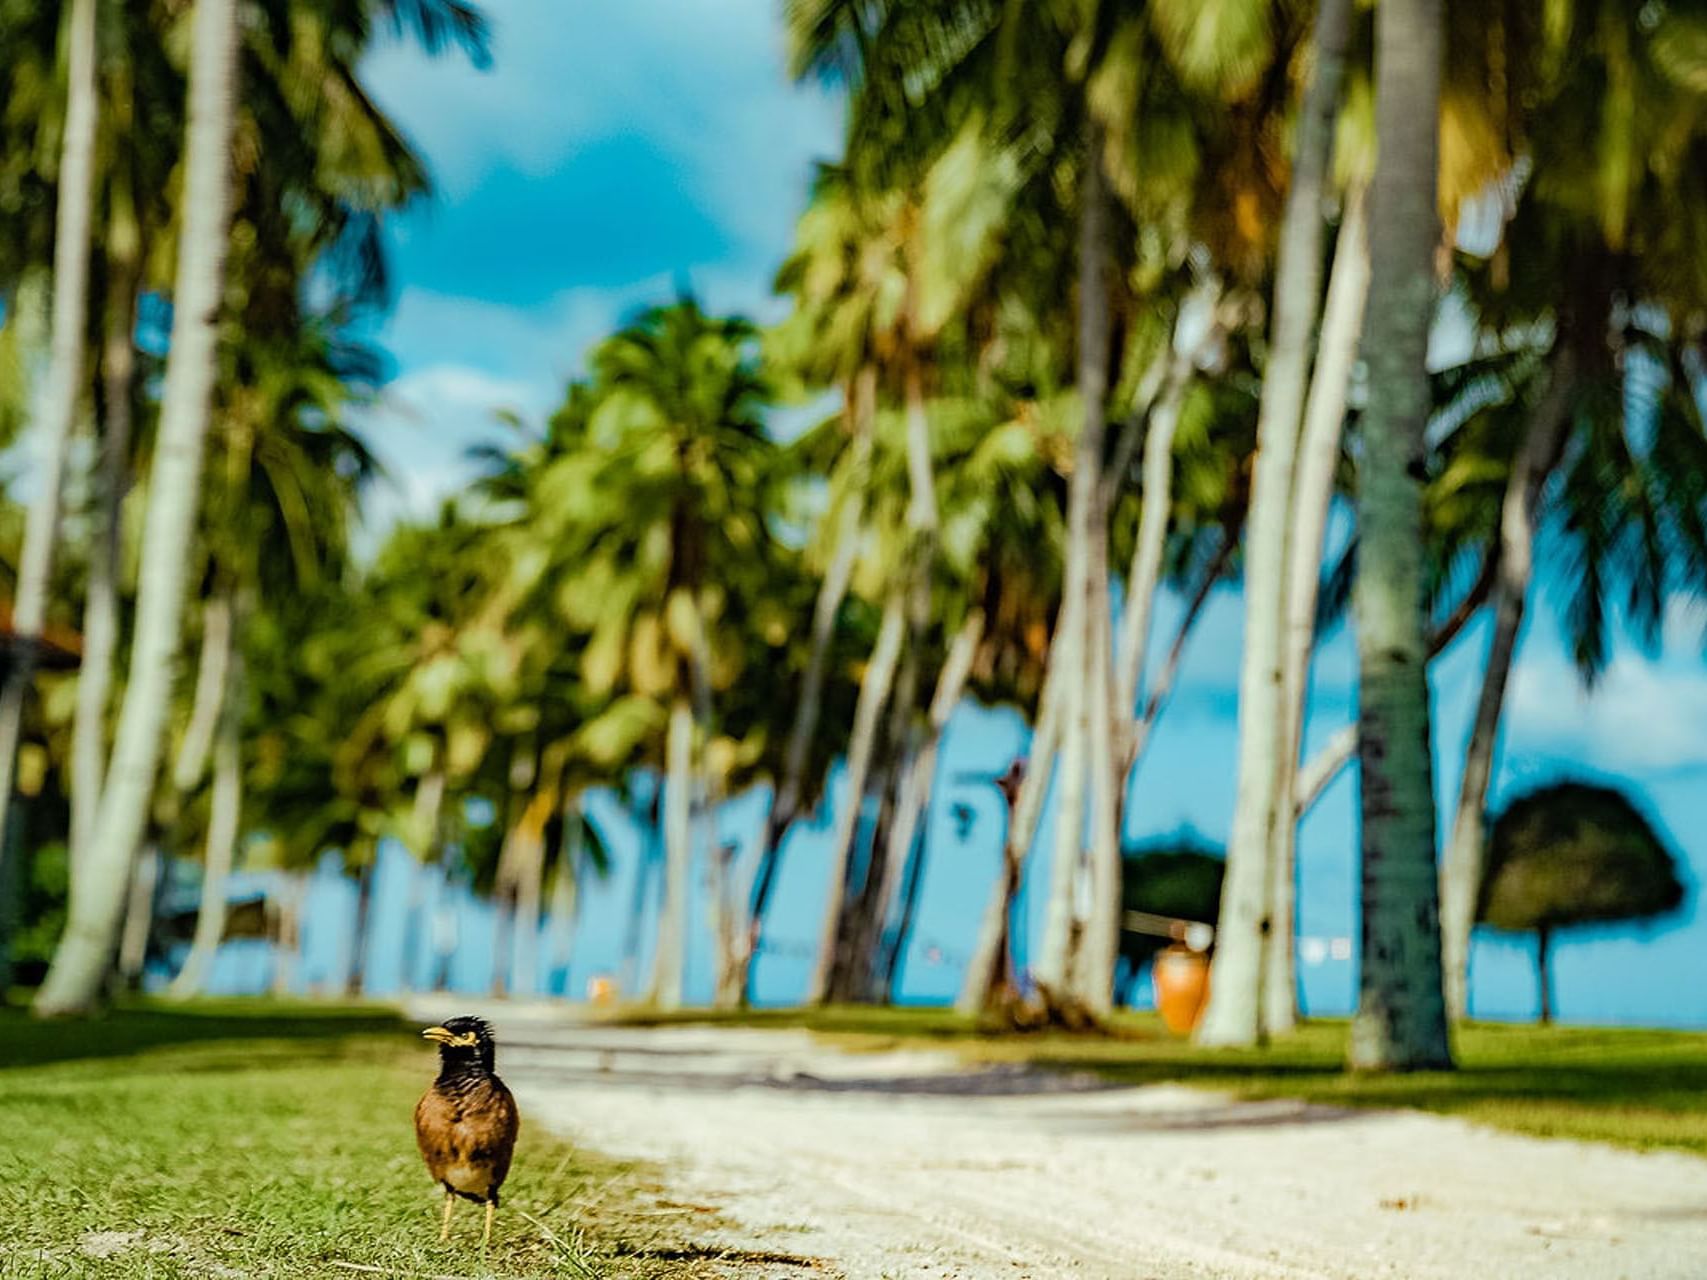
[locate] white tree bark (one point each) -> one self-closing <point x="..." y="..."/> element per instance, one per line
<point x="1098" y="951"/>
<point x="874" y="692"/>
<point x="211" y="682"/>
<point x="671" y="953"/>
<point x="71" y="237"/>
<point x="224" y="823"/>
<point x="989" y="959"/>
<point x="1312" y="500"/>
<point x="915" y="791"/>
<point x="1072" y="642"/>
<point x="1461" y="869"/>
<point x="832" y="591"/>
<point x="138" y="918"/>
<point x="1234" y="1013"/>
<point x="566" y="888"/>
<point x="101" y="605"/>
<point x="97" y="901"/>
<point x="1156" y="498"/>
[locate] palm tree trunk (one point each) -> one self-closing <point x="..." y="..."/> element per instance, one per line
<point x="138" y="919"/>
<point x="1544" y="972"/>
<point x="365" y="872"/>
<point x="912" y="800"/>
<point x="671" y="952"/>
<point x="1098" y="952"/>
<point x="223" y="826"/>
<point x="211" y="680"/>
<point x="566" y="892"/>
<point x="874" y="693"/>
<point x="1312" y="498"/>
<point x="1159" y="692"/>
<point x="645" y="864"/>
<point x="1071" y="645"/>
<point x="101" y="602"/>
<point x="1401" y="1015"/>
<point x="1461" y="870"/>
<point x="72" y="221"/>
<point x="989" y="969"/>
<point x="79" y="966"/>
<point x="529" y="883"/>
<point x="1235" y="1006"/>
<point x="287" y="932"/>
<point x="1156" y="497"/>
<point x="862" y="406"/>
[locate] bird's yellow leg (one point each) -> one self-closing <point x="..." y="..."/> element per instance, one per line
<point x="487" y="1238"/>
<point x="444" y="1228"/>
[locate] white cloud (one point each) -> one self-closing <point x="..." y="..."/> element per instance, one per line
<point x="1643" y="717"/>
<point x="703" y="79"/>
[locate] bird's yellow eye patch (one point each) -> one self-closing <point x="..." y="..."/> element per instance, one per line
<point x="444" y="1035"/>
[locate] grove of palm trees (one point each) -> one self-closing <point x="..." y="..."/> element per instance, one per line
<point x="1112" y="330"/>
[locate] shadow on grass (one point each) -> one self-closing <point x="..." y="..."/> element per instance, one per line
<point x="137" y="1027"/>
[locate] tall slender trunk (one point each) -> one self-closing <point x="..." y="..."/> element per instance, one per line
<point x="645" y="865"/>
<point x="1544" y="972"/>
<point x="1401" y="1014"/>
<point x="212" y="669"/>
<point x="1235" y="1006"/>
<point x="989" y="969"/>
<point x="356" y="979"/>
<point x="101" y="602"/>
<point x="857" y="961"/>
<point x="1312" y="499"/>
<point x="671" y="953"/>
<point x="1159" y="692"/>
<point x="287" y="931"/>
<point x="223" y="825"/>
<point x="874" y="693"/>
<point x="71" y="240"/>
<point x="726" y="989"/>
<point x="424" y="812"/>
<point x="1461" y="870"/>
<point x="566" y="892"/>
<point x="1156" y="497"/>
<point x="1098" y="952"/>
<point x="79" y="966"/>
<point x="1072" y="645"/>
<point x="139" y="919"/>
<point x="529" y="873"/>
<point x="862" y="409"/>
<point x="912" y="800"/>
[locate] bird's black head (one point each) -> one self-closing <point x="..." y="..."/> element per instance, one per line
<point x="465" y="1044"/>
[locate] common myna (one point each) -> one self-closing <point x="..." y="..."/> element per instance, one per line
<point x="466" y="1123"/>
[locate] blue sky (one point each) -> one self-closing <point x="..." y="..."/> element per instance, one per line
<point x="616" y="148"/>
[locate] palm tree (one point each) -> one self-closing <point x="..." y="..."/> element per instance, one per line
<point x="97" y="899"/>
<point x="1587" y="204"/>
<point x="73" y="219"/>
<point x="1401" y="1017"/>
<point x="1233" y="1015"/>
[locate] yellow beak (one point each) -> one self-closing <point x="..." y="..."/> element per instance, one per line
<point x="438" y="1034"/>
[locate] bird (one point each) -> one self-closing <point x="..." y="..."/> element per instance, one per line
<point x="466" y="1123"/>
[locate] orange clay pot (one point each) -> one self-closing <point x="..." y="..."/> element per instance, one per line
<point x="1181" y="978"/>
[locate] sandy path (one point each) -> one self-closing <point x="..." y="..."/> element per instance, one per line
<point x="910" y="1164"/>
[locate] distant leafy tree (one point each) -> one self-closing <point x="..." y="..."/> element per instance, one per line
<point x="1179" y="877"/>
<point x="1572" y="854"/>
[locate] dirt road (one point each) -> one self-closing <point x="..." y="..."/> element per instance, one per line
<point x="911" y="1164"/>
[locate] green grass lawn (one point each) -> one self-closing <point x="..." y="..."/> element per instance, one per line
<point x="1637" y="1088"/>
<point x="260" y="1139"/>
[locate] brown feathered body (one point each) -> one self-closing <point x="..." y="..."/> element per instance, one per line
<point x="466" y="1127"/>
